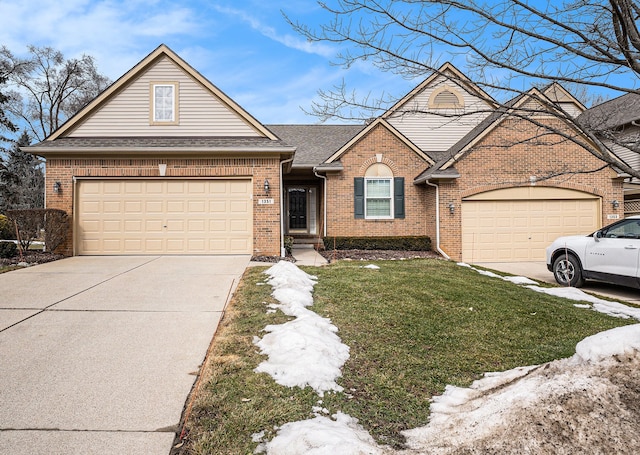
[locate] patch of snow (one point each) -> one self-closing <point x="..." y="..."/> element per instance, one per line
<point x="371" y="266"/>
<point x="512" y="279"/>
<point x="506" y="402"/>
<point x="610" y="344"/>
<point x="339" y="435"/>
<point x="519" y="280"/>
<point x="615" y="309"/>
<point x="306" y="350"/>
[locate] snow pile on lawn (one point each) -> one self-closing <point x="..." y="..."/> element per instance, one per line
<point x="306" y="350"/>
<point x="615" y="309"/>
<point x="321" y="435"/>
<point x="558" y="406"/>
<point x="512" y="279"/>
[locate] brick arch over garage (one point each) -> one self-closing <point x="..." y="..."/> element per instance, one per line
<point x="514" y="224"/>
<point x="563" y="185"/>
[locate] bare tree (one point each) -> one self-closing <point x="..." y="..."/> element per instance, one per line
<point x="47" y="89"/>
<point x="504" y="46"/>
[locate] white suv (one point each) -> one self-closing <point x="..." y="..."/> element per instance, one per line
<point x="611" y="254"/>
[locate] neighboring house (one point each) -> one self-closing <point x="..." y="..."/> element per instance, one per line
<point x="620" y="118"/>
<point x="164" y="163"/>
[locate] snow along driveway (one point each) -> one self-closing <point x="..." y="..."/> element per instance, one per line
<point x="587" y="403"/>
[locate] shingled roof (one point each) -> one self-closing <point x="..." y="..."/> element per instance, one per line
<point x="314" y="143"/>
<point x="613" y="113"/>
<point x="71" y="145"/>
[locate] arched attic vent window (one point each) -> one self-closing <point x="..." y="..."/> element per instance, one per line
<point x="445" y="98"/>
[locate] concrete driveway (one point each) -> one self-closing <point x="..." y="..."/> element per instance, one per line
<point x="98" y="354"/>
<point x="538" y="271"/>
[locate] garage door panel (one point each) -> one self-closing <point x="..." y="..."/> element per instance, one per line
<point x="196" y="206"/>
<point x="108" y="207"/>
<point x="110" y="187"/>
<point x="153" y="206"/>
<point x="175" y="187"/>
<point x="175" y="206"/>
<point x="520" y="230"/>
<point x="164" y="217"/>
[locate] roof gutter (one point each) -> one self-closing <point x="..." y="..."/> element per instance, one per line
<point x="283" y="251"/>
<point x="446" y="256"/>
<point x="154" y="150"/>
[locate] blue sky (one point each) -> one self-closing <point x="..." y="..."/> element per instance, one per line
<point x="245" y="47"/>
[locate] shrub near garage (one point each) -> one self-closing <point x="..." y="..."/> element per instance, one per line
<point x="8" y="250"/>
<point x="7" y="231"/>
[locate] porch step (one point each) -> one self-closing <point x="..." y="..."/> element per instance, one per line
<point x="298" y="241"/>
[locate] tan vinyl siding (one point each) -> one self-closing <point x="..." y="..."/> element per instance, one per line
<point x="571" y="109"/>
<point x="199" y="111"/>
<point x="628" y="156"/>
<point x="438" y="131"/>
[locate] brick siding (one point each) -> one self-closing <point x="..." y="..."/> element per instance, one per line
<point x="502" y="159"/>
<point x="266" y="218"/>
<point x="508" y="157"/>
<point x="403" y="161"/>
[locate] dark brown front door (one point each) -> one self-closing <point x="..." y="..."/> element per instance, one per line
<point x="297" y="208"/>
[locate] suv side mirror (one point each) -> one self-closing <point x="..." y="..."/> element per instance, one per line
<point x="598" y="235"/>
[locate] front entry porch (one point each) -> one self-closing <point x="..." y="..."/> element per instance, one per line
<point x="303" y="216"/>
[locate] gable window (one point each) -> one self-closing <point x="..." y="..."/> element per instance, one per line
<point x="164" y="106"/>
<point x="379" y="195"/>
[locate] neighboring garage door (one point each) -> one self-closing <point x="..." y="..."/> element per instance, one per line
<point x="517" y="224"/>
<point x="163" y="216"/>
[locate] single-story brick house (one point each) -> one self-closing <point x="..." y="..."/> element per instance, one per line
<point x="163" y="162"/>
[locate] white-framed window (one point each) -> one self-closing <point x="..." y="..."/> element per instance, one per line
<point x="164" y="105"/>
<point x="378" y="197"/>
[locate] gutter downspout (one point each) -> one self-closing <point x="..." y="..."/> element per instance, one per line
<point x="283" y="252"/>
<point x="446" y="256"/>
<point x="324" y="202"/>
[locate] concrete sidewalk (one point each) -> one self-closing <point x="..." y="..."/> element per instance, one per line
<point x="307" y="255"/>
<point x="99" y="354"/>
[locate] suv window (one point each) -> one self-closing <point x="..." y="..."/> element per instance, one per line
<point x="628" y="229"/>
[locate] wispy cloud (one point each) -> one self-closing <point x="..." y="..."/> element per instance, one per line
<point x="117" y="33"/>
<point x="290" y="41"/>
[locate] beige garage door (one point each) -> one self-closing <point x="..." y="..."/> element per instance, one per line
<point x="511" y="230"/>
<point x="164" y="217"/>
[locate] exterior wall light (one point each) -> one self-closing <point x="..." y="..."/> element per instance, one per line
<point x="266" y="186"/>
<point x="57" y="187"/>
<point x="452" y="207"/>
<point x="162" y="168"/>
<point x="615" y="203"/>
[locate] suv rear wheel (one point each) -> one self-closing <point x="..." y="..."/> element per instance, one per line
<point x="567" y="271"/>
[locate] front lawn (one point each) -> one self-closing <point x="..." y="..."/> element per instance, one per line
<point x="413" y="327"/>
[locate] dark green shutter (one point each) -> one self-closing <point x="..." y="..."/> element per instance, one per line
<point x="358" y="197"/>
<point x="398" y="197"/>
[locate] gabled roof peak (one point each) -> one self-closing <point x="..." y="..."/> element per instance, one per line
<point x="449" y="71"/>
<point x="162" y="51"/>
